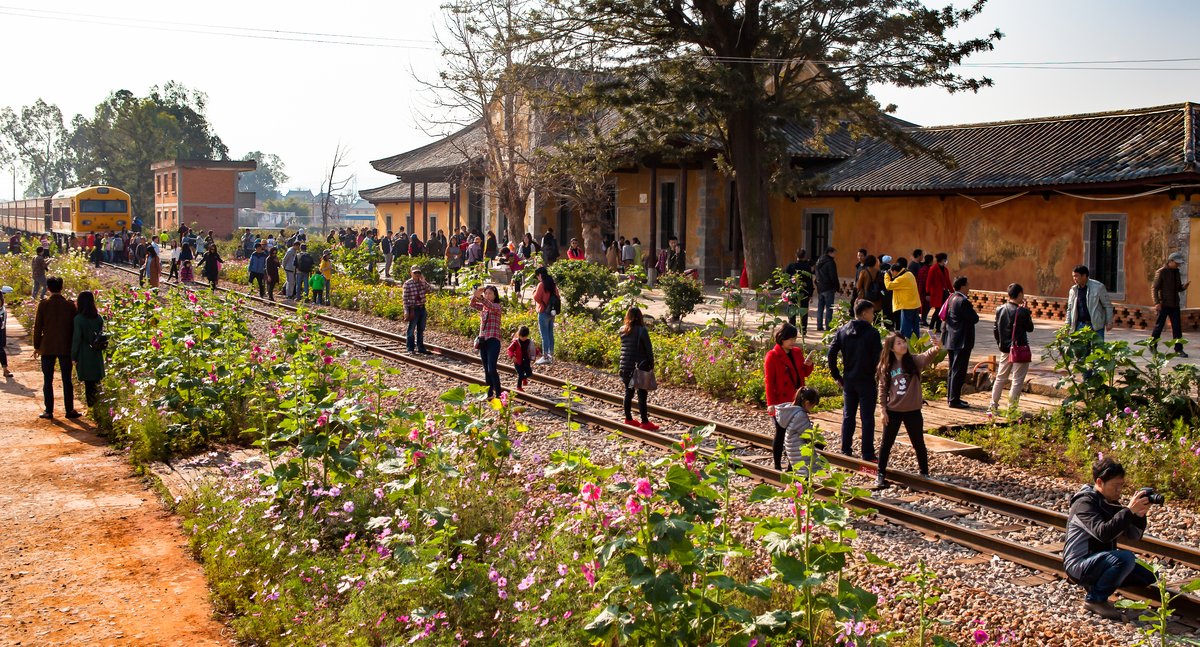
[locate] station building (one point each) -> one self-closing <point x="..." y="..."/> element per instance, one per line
<point x="1024" y="201"/>
<point x="200" y="193"/>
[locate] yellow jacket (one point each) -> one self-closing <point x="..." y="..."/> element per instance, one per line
<point x="327" y="268"/>
<point x="904" y="291"/>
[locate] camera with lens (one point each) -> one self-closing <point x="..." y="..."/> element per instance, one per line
<point x="1152" y="496"/>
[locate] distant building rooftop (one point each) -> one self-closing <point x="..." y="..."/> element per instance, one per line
<point x="214" y="165"/>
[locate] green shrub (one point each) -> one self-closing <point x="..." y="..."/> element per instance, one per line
<point x="581" y="281"/>
<point x="682" y="293"/>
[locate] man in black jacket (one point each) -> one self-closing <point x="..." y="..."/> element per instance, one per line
<point x="304" y="267"/>
<point x="1014" y="322"/>
<point x="1096" y="521"/>
<point x="1166" y="288"/>
<point x="859" y="345"/>
<point x="549" y="247"/>
<point x="959" y="339"/>
<point x="825" y="275"/>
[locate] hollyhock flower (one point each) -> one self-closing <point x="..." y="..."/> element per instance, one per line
<point x="188" y="342"/>
<point x="323" y="418"/>
<point x="643" y="488"/>
<point x="981" y="636"/>
<point x="504" y="399"/>
<point x="155" y="344"/>
<point x="589" y="573"/>
<point x="414" y="435"/>
<point x="328" y="360"/>
<point x="589" y="493"/>
<point x="191" y="297"/>
<point x="633" y="505"/>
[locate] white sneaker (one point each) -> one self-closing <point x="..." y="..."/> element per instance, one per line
<point x="542" y="360"/>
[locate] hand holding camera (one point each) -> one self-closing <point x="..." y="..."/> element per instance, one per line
<point x="1143" y="499"/>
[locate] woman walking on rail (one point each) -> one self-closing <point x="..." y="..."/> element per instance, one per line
<point x="486" y="300"/>
<point x="637" y="367"/>
<point x="153" y="269"/>
<point x="273" y="265"/>
<point x="88" y="344"/>
<point x="546" y="302"/>
<point x="900" y="389"/>
<point x="212" y="265"/>
<point x="784" y="370"/>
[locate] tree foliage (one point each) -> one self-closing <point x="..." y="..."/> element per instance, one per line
<point x="127" y="133"/>
<point x="266" y="179"/>
<point x="37" y="137"/>
<point x="739" y="76"/>
<point x="301" y="208"/>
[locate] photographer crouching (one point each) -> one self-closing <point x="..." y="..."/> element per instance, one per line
<point x="1097" y="519"/>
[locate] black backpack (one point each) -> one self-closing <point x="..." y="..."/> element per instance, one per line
<point x="305" y="263"/>
<point x="555" y="303"/>
<point x="99" y="340"/>
<point x="875" y="288"/>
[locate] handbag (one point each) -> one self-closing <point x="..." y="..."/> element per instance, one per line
<point x="1018" y="354"/>
<point x="478" y="342"/>
<point x="409" y="315"/>
<point x="643" y="380"/>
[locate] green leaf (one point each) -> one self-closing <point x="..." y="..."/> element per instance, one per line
<point x="764" y="492"/>
<point x="605" y="622"/>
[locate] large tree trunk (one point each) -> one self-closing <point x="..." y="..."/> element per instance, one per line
<point x="592" y="225"/>
<point x="758" y="243"/>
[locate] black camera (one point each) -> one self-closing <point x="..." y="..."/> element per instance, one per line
<point x="1153" y="497"/>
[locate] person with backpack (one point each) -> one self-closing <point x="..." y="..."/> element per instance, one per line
<point x="522" y="351"/>
<point x="825" y="276"/>
<point x="1013" y="324"/>
<point x="906" y="299"/>
<point x="88" y="343"/>
<point x="870" y="284"/>
<point x="547" y="303"/>
<point x="899" y="376"/>
<point x="796" y="417"/>
<point x="939" y="288"/>
<point x="304" y="268"/>
<point x="784" y="369"/>
<point x="637" y="367"/>
<point x="857" y="343"/>
<point x="258" y="269"/>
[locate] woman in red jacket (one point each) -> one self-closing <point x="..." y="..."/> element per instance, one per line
<point x="938" y="287"/>
<point x="784" y="370"/>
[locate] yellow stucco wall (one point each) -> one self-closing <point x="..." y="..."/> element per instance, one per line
<point x="399" y="212"/>
<point x="1030" y="240"/>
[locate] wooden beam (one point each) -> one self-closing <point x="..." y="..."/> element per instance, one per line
<point x="425" y="212"/>
<point x="412" y="203"/>
<point x="653" y="207"/>
<point x="681" y="225"/>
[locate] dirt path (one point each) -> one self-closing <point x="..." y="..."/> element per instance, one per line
<point x="88" y="556"/>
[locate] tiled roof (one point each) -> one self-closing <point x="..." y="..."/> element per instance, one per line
<point x="1126" y="147"/>
<point x="441" y="160"/>
<point x="401" y="191"/>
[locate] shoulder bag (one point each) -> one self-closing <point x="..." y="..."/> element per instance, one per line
<point x="643" y="380"/>
<point x="1018" y="354"/>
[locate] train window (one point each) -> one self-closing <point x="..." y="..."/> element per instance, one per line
<point x="103" y="206"/>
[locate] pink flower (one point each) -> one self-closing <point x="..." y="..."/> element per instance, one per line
<point x="188" y="343"/>
<point x="348" y="507"/>
<point x="493" y="575"/>
<point x="799" y="489"/>
<point x="643" y="488"/>
<point x="982" y="636"/>
<point x="566" y="615"/>
<point x="155" y="344"/>
<point x="633" y="505"/>
<point x="590" y="493"/>
<point x="414" y="435"/>
<point x="562" y="569"/>
<point x="526" y="583"/>
<point x="328" y="360"/>
<point x="323" y="418"/>
<point x="589" y="573"/>
<point x="504" y="399"/>
<point x="502" y="582"/>
<point x="212" y="376"/>
<point x="191" y="297"/>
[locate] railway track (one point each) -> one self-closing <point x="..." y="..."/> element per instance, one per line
<point x="447" y="362"/>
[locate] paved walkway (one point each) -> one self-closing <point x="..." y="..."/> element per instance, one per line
<point x="88" y="555"/>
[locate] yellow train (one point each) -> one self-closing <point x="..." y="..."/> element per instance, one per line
<point x="79" y="210"/>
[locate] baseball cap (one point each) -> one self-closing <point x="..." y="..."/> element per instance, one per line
<point x="1177" y="257"/>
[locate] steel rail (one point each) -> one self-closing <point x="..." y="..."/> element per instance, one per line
<point x="1030" y="557"/>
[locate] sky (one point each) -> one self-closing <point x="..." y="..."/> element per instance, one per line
<point x="279" y="92"/>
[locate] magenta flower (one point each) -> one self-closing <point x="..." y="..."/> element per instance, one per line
<point x="590" y="493"/>
<point x="589" y="573"/>
<point x="188" y="343"/>
<point x="328" y="360"/>
<point x="191" y="296"/>
<point x="633" y="505"/>
<point x="981" y="636"/>
<point x="323" y="418"/>
<point x="643" y="488"/>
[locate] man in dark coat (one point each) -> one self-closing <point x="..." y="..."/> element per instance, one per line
<point x="959" y="340"/>
<point x="53" y="327"/>
<point x="858" y="344"/>
<point x="825" y="275"/>
<point x="1167" y="286"/>
<point x="549" y="247"/>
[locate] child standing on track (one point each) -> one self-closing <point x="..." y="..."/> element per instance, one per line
<point x="522" y="350"/>
<point x="317" y="283"/>
<point x="795" y="419"/>
<point x="185" y="272"/>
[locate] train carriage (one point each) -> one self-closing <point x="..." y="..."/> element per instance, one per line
<point x="79" y="210"/>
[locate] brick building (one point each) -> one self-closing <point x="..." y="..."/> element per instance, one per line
<point x="199" y="193"/>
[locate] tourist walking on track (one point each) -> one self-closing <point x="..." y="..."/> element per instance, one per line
<point x="1167" y="286"/>
<point x="289" y="270"/>
<point x="53" y="328"/>
<point x="1014" y="322"/>
<point x="547" y="303"/>
<point x="825" y="276"/>
<point x="258" y="269"/>
<point x="959" y="338"/>
<point x="796" y="418"/>
<point x="899" y="376"/>
<point x="522" y="351"/>
<point x="637" y="367"/>
<point x="416" y="291"/>
<point x="4" y="331"/>
<point x="939" y="287"/>
<point x="784" y="369"/>
<point x="40" y="265"/>
<point x="486" y="300"/>
<point x="87" y="346"/>
<point x="906" y="299"/>
<point x="153" y="268"/>
<point x="857" y="343"/>
<point x="212" y="265"/>
<point x="304" y="268"/>
<point x="326" y="270"/>
<point x="272" y="272"/>
<point x="1088" y="304"/>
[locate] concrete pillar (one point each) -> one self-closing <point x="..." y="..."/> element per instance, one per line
<point x="1186" y="239"/>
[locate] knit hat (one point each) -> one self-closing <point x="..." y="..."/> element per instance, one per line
<point x="886" y="259"/>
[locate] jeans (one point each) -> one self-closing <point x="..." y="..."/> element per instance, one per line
<point x="524" y="372"/>
<point x="416" y="329"/>
<point x="641" y="396"/>
<point x="860" y="397"/>
<point x="1172" y="313"/>
<point x="546" y="328"/>
<point x="1099" y="331"/>
<point x="1104" y="573"/>
<point x="960" y="363"/>
<point x="39" y="288"/>
<point x="910" y="323"/>
<point x="301" y="285"/>
<point x="826" y="301"/>
<point x="289" y="285"/>
<point x="262" y="289"/>
<point x="64" y="364"/>
<point x="1009" y="372"/>
<point x="319" y="297"/>
<point x="489" y="354"/>
<point x="914" y="424"/>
